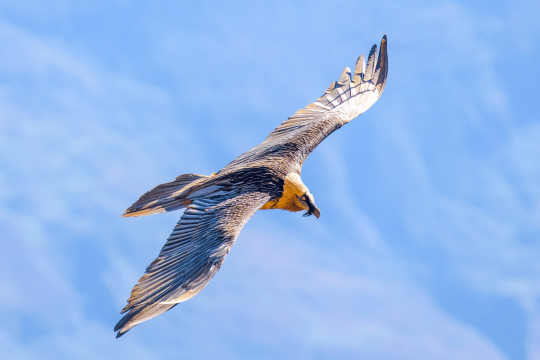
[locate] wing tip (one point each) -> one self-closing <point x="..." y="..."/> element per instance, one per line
<point x="124" y="325"/>
<point x="384" y="44"/>
<point x="345" y="76"/>
<point x="382" y="66"/>
<point x="120" y="334"/>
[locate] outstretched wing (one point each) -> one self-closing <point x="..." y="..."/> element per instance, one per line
<point x="191" y="256"/>
<point x="291" y="143"/>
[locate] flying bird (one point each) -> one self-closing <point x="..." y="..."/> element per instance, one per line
<point x="265" y="177"/>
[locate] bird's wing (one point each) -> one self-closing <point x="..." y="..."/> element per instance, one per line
<point x="191" y="256"/>
<point x="291" y="142"/>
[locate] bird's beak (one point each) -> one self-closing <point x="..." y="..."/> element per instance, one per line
<point x="316" y="212"/>
<point x="313" y="210"/>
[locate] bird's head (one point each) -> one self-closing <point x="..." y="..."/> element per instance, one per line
<point x="307" y="202"/>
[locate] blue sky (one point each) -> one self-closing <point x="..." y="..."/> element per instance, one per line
<point x="428" y="243"/>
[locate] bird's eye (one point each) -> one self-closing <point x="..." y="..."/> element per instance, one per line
<point x="304" y="198"/>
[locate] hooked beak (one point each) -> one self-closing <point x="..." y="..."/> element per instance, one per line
<point x="313" y="210"/>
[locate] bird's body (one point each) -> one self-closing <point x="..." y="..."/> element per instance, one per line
<point x="218" y="206"/>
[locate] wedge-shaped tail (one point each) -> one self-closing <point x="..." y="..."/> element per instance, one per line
<point x="165" y="197"/>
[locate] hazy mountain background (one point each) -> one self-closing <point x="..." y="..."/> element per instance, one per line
<point x="428" y="245"/>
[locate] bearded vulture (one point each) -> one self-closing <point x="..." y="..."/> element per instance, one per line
<point x="265" y="177"/>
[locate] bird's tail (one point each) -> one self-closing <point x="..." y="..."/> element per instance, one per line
<point x="165" y="197"/>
